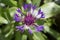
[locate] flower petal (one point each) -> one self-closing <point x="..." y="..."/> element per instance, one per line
<point x="26" y="27"/>
<point x="42" y="15"/>
<point x="30" y="31"/>
<point x="35" y="13"/>
<point x="39" y="11"/>
<point x="38" y="16"/>
<point x="21" y="28"/>
<point x="18" y="10"/>
<point x="29" y="6"/>
<point x="17" y="18"/>
<point x="31" y="10"/>
<point x="25" y="6"/>
<point x="34" y="7"/>
<point x="39" y="28"/>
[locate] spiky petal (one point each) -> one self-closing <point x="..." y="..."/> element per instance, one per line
<point x="17" y="18"/>
<point x="30" y="31"/>
<point x="21" y="28"/>
<point x="39" y="28"/>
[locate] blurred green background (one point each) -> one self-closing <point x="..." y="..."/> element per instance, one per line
<point x="51" y="8"/>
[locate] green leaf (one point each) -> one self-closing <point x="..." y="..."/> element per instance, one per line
<point x="5" y="13"/>
<point x="19" y="3"/>
<point x="12" y="11"/>
<point x="2" y="37"/>
<point x="3" y="20"/>
<point x="28" y="1"/>
<point x="10" y="32"/>
<point x="13" y="2"/>
<point x="40" y="22"/>
<point x="44" y="36"/>
<point x="18" y="36"/>
<point x="24" y="37"/>
<point x="36" y="2"/>
<point x="47" y="24"/>
<point x="10" y="2"/>
<point x="38" y="36"/>
<point x="50" y="9"/>
<point x="52" y="32"/>
<point x="47" y="1"/>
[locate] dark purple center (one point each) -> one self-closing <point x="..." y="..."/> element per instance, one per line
<point x="29" y="19"/>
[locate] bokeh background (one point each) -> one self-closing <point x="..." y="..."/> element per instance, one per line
<point x="51" y="23"/>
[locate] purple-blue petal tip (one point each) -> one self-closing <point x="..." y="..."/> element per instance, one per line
<point x="18" y="10"/>
<point x="21" y="28"/>
<point x="39" y="11"/>
<point x="25" y="6"/>
<point x="34" y="7"/>
<point x="39" y="28"/>
<point x="16" y="18"/>
<point x="30" y="31"/>
<point x="29" y="6"/>
<point x="42" y="15"/>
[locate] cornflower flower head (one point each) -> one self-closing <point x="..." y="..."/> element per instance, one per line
<point x="29" y="20"/>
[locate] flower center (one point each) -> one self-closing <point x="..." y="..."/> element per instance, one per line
<point x="29" y="19"/>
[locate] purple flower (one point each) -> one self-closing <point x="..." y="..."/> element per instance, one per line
<point x="29" y="19"/>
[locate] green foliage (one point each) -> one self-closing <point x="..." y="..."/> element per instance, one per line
<point x="3" y="20"/>
<point x="47" y="1"/>
<point x="9" y="3"/>
<point x="36" y="2"/>
<point x="50" y="9"/>
<point x="38" y="36"/>
<point x="8" y="32"/>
